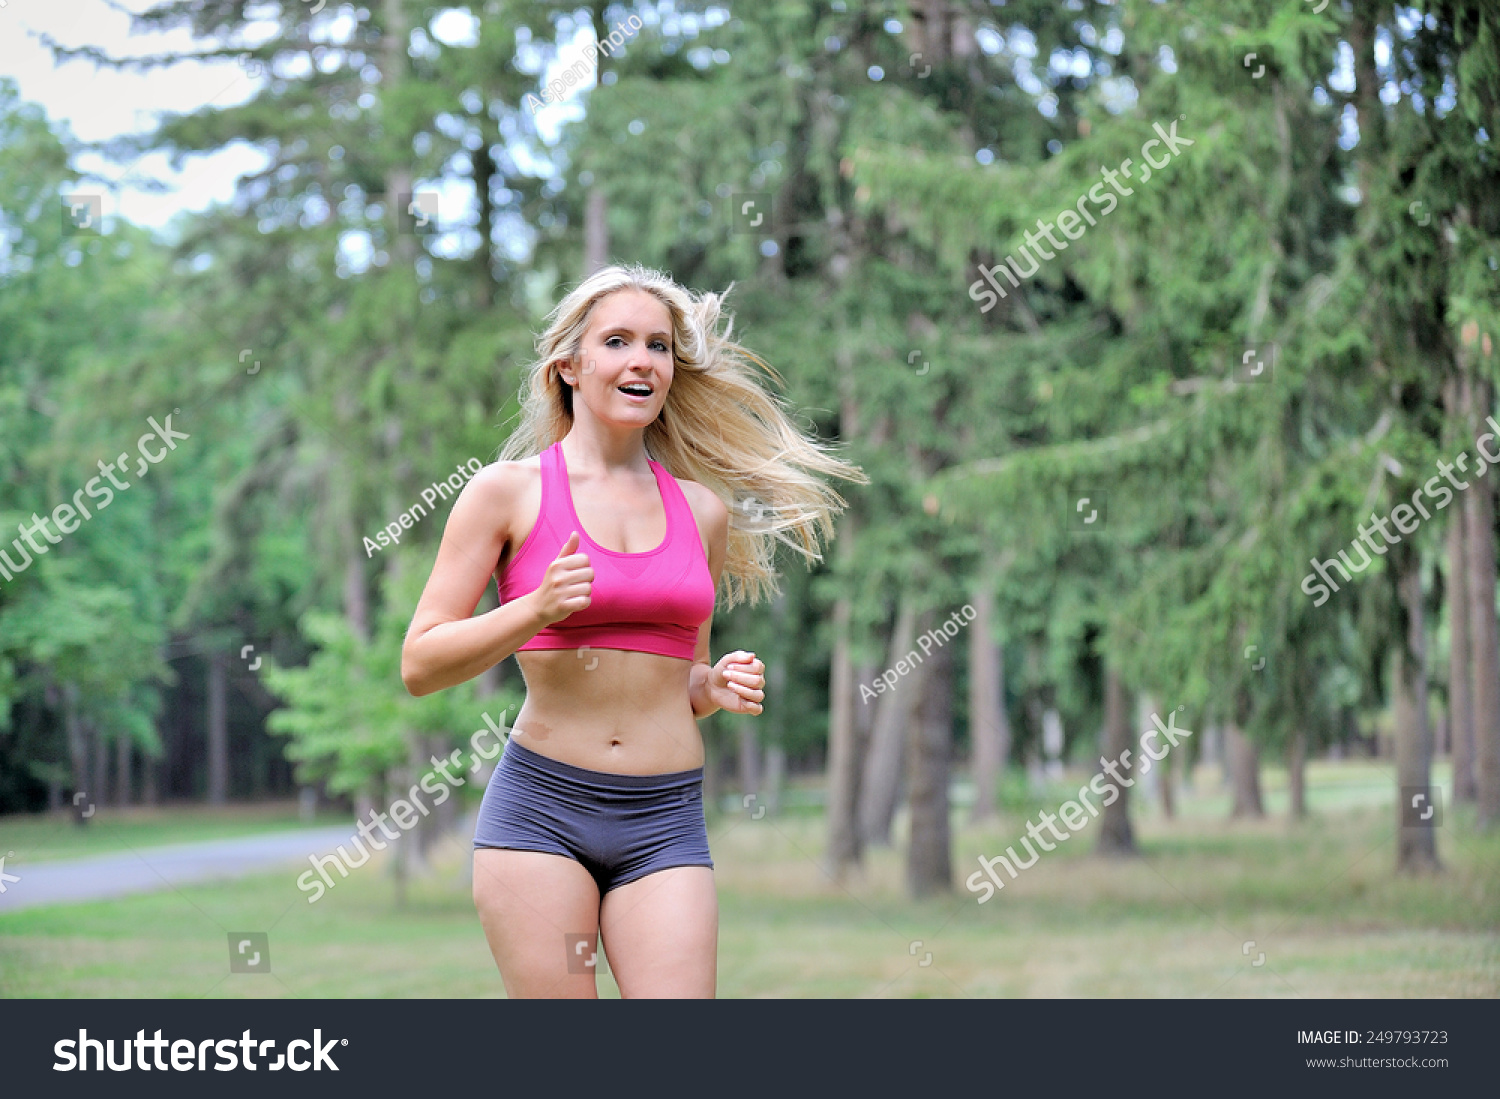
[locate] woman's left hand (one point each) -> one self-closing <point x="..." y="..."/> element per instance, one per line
<point x="736" y="683"/>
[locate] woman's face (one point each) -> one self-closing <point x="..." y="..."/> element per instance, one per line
<point x="624" y="367"/>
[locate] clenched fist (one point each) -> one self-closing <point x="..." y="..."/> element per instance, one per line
<point x="568" y="583"/>
<point x="736" y="683"/>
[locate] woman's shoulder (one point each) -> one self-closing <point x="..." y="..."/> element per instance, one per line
<point x="502" y="489"/>
<point x="702" y="499"/>
<point x="507" y="477"/>
<point x="711" y="512"/>
<point x="502" y="500"/>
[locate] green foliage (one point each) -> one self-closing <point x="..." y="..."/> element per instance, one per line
<point x="345" y="723"/>
<point x="388" y="358"/>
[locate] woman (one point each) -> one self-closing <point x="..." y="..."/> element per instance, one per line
<point x="608" y="565"/>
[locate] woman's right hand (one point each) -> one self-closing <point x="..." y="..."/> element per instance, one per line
<point x="567" y="584"/>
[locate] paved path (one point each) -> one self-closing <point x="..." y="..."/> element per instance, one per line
<point x="151" y="868"/>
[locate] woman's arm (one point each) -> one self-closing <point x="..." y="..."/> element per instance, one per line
<point x="445" y="644"/>
<point x="735" y="683"/>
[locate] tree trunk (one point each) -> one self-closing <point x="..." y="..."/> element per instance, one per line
<point x="364" y="802"/>
<point x="595" y="232"/>
<point x="1296" y="768"/>
<point x="218" y="732"/>
<point x="1115" y="834"/>
<point x="1416" y="849"/>
<point x="429" y="825"/>
<point x="848" y="715"/>
<point x="989" y="731"/>
<point x="1053" y="740"/>
<point x="484" y="182"/>
<point x="940" y="31"/>
<point x="401" y="863"/>
<point x="1212" y="752"/>
<point x="1460" y="663"/>
<point x="929" y="867"/>
<point x="412" y="845"/>
<point x="897" y="706"/>
<point x="844" y="846"/>
<point x="395" y="35"/>
<point x="1479" y="520"/>
<point x="99" y="770"/>
<point x="864" y="716"/>
<point x="1162" y="768"/>
<point x="150" y="779"/>
<point x="78" y="751"/>
<point x="595" y="224"/>
<point x="773" y="721"/>
<point x="1243" y="756"/>
<point x="773" y="777"/>
<point x="1168" y="795"/>
<point x="749" y="742"/>
<point x="356" y="599"/>
<point x="1148" y="779"/>
<point x="122" y="769"/>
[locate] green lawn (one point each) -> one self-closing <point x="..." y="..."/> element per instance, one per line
<point x="1319" y="900"/>
<point x="48" y="836"/>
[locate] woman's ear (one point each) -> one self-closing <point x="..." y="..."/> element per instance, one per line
<point x="565" y="368"/>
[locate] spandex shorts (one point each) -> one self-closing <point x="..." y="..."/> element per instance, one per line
<point x="619" y="827"/>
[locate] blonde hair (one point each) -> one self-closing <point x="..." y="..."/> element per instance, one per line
<point x="719" y="427"/>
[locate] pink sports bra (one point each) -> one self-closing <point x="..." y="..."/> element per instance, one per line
<point x="652" y="602"/>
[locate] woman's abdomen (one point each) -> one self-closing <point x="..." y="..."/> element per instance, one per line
<point x="609" y="710"/>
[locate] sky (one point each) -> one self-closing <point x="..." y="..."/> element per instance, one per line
<point x="99" y="103"/>
<point x="94" y="104"/>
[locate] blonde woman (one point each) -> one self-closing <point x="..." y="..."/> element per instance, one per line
<point x="620" y="507"/>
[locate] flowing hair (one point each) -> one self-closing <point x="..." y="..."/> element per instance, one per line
<point x="719" y="427"/>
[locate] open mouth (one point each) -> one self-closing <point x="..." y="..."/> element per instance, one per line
<point x="638" y="390"/>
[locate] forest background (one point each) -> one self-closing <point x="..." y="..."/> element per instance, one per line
<point x="1248" y="311"/>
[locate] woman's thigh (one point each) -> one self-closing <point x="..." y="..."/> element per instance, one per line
<point x="540" y="914"/>
<point x="661" y="933"/>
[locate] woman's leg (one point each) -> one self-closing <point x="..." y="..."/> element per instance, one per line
<point x="536" y="908"/>
<point x="661" y="933"/>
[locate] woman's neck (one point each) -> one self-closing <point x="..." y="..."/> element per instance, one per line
<point x="607" y="451"/>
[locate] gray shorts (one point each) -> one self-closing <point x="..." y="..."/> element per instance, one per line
<point x="619" y="827"/>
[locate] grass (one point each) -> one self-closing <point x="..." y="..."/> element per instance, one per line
<point x="39" y="837"/>
<point x="1318" y="898"/>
